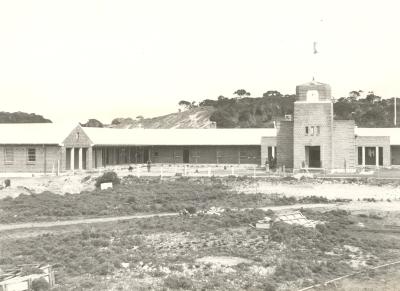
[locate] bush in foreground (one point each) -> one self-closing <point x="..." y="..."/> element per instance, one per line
<point x="108" y="177"/>
<point x="40" y="284"/>
<point x="176" y="283"/>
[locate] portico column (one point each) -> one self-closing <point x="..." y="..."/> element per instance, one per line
<point x="72" y="159"/>
<point x="363" y="156"/>
<point x="80" y="159"/>
<point x="377" y="156"/>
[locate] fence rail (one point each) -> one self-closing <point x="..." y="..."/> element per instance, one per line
<point x="194" y="170"/>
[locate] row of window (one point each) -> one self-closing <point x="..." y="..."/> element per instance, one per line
<point x="370" y="156"/>
<point x="9" y="155"/>
<point x="312" y="130"/>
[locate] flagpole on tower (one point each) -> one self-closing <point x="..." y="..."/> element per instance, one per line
<point x="315" y="59"/>
<point x="395" y="112"/>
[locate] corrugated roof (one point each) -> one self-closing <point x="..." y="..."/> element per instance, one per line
<point x="33" y="133"/>
<point x="392" y="132"/>
<point x="139" y="136"/>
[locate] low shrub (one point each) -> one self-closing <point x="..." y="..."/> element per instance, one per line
<point x="108" y="177"/>
<point x="268" y="286"/>
<point x="40" y="284"/>
<point x="191" y="209"/>
<point x="176" y="283"/>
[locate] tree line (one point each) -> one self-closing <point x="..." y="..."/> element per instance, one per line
<point x="245" y="111"/>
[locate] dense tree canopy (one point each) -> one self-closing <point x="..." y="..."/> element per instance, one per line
<point x="22" y="117"/>
<point x="92" y="123"/>
<point x="371" y="111"/>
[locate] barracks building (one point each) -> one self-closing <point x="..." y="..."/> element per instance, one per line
<point x="311" y="138"/>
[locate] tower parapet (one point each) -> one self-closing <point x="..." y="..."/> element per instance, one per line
<point x="313" y="92"/>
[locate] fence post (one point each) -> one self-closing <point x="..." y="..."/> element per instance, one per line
<point x="161" y="172"/>
<point x="137" y="171"/>
<point x="209" y="172"/>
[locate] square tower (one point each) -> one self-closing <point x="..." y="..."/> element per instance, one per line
<point x="313" y="126"/>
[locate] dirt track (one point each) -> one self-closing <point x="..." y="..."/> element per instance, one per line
<point x="5" y="227"/>
<point x="352" y="206"/>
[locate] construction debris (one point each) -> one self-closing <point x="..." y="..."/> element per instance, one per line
<point x="215" y="210"/>
<point x="104" y="186"/>
<point x="264" y="223"/>
<point x="17" y="279"/>
<point x="296" y="217"/>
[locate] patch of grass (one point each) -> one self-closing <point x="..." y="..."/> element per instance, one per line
<point x="135" y="196"/>
<point x="178" y="283"/>
<point x="149" y="245"/>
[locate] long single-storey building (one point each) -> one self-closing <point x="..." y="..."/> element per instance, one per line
<point x="311" y="138"/>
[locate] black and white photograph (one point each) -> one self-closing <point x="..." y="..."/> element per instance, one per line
<point x="199" y="145"/>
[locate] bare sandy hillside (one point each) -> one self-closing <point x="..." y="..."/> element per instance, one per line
<point x="193" y="118"/>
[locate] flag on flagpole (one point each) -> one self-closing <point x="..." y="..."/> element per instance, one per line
<point x="315" y="48"/>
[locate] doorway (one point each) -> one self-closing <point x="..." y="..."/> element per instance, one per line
<point x="186" y="156"/>
<point x="146" y="155"/>
<point x="313" y="156"/>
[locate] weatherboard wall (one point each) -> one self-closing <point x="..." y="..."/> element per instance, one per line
<point x="207" y="154"/>
<point x="122" y="155"/>
<point x="47" y="158"/>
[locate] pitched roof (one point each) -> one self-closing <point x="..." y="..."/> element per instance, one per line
<point x="33" y="133"/>
<point x="392" y="132"/>
<point x="139" y="136"/>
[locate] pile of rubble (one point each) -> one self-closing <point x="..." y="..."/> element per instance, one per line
<point x="22" y="277"/>
<point x="295" y="217"/>
<point x="212" y="211"/>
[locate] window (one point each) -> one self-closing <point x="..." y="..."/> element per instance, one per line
<point x="269" y="154"/>
<point x="312" y="96"/>
<point x="156" y="154"/>
<point x="380" y="156"/>
<point x="370" y="156"/>
<point x="8" y="155"/>
<point x="306" y="130"/>
<point x="31" y="155"/>
<point x="318" y="130"/>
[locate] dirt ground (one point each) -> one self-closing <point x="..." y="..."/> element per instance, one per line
<point x="57" y="184"/>
<point x="387" y="279"/>
<point x="330" y="190"/>
<point x="385" y="206"/>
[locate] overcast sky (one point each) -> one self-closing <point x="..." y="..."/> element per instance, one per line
<point x="74" y="60"/>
